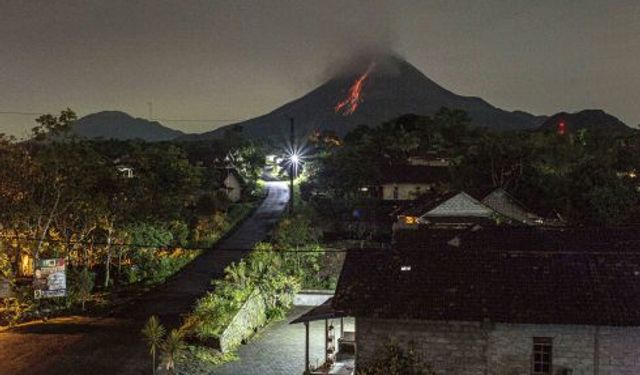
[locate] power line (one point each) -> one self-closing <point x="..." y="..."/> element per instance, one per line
<point x="146" y="246"/>
<point x="19" y="113"/>
<point x="196" y="120"/>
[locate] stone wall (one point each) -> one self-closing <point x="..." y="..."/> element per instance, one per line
<point x="451" y="348"/>
<point x="619" y="350"/>
<point x="251" y="316"/>
<point x="467" y="348"/>
<point x="510" y="348"/>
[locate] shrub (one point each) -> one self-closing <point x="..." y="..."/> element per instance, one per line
<point x="396" y="361"/>
<point x="153" y="266"/>
<point x="262" y="270"/>
<point x="81" y="282"/>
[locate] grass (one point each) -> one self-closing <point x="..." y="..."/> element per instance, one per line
<point x="209" y="355"/>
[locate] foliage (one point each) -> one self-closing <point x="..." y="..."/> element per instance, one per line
<point x="172" y="346"/>
<point x="65" y="197"/>
<point x="263" y="270"/>
<point x="397" y="361"/>
<point x="153" y="333"/>
<point x="81" y="283"/>
<point x="589" y="177"/>
<point x="5" y="265"/>
<point x="153" y="266"/>
<point x="295" y="231"/>
<point x="211" y="356"/>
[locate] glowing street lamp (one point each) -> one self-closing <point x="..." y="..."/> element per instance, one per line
<point x="294" y="159"/>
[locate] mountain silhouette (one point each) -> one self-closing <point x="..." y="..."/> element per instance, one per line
<point x="392" y="88"/>
<point x="122" y="126"/>
<point x="590" y="119"/>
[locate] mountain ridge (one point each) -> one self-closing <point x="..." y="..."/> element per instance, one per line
<point x="589" y="119"/>
<point x="394" y="87"/>
<point x="122" y="126"/>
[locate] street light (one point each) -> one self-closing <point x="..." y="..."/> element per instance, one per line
<point x="294" y="161"/>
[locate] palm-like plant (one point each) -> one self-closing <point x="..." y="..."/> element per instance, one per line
<point x="153" y="333"/>
<point x="172" y="346"/>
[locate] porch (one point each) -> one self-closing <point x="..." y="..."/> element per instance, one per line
<point x="339" y="340"/>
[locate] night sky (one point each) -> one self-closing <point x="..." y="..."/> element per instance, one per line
<point x="233" y="60"/>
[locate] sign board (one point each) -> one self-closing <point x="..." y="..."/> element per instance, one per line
<point x="5" y="288"/>
<point x="49" y="278"/>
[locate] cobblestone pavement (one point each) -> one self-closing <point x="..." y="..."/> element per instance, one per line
<point x="279" y="349"/>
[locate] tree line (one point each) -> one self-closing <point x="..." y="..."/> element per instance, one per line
<point x="586" y="176"/>
<point x="87" y="200"/>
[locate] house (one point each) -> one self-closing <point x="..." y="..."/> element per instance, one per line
<point x="231" y="183"/>
<point x="504" y="300"/>
<point x="463" y="209"/>
<point x="407" y="182"/>
<point x="124" y="166"/>
<point x="125" y="171"/>
<point x="429" y="160"/>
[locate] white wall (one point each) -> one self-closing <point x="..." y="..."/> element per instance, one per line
<point x="405" y="191"/>
<point x="233" y="188"/>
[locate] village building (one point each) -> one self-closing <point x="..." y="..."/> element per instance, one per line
<point x="231" y="183"/>
<point x="125" y="171"/>
<point x="124" y="166"/>
<point x="464" y="209"/>
<point x="407" y="182"/>
<point x="500" y="301"/>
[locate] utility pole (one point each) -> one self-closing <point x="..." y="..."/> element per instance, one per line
<point x="292" y="165"/>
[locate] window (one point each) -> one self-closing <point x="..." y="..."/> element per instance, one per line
<point x="542" y="350"/>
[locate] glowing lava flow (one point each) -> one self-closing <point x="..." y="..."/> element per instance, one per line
<point x="351" y="102"/>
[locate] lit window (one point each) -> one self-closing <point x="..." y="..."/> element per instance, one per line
<point x="410" y="220"/>
<point x="542" y="350"/>
<point x="405" y="268"/>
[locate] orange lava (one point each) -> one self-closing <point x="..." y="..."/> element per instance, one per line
<point x="349" y="105"/>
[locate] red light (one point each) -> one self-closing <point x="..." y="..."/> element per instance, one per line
<point x="561" y="128"/>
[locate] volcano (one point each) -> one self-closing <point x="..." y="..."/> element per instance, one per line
<point x="371" y="93"/>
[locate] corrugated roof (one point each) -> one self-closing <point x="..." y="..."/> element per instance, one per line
<point x="510" y="275"/>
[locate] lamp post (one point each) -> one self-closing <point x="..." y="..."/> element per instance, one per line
<point x="293" y="160"/>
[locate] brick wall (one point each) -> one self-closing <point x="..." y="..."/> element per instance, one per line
<point x="504" y="349"/>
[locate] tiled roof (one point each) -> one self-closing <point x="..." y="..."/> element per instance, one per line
<point x="508" y="275"/>
<point x="495" y="200"/>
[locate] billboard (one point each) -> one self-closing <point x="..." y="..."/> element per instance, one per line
<point x="49" y="278"/>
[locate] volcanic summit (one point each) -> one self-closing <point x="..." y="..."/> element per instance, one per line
<point x="371" y="93"/>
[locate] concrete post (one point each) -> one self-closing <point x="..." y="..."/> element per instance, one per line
<point x="306" y="348"/>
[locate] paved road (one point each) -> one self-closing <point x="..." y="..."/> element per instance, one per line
<point x="113" y="345"/>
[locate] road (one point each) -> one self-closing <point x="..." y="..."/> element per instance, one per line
<point x="113" y="344"/>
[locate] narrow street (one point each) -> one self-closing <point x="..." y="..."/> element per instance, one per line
<point x="113" y="344"/>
